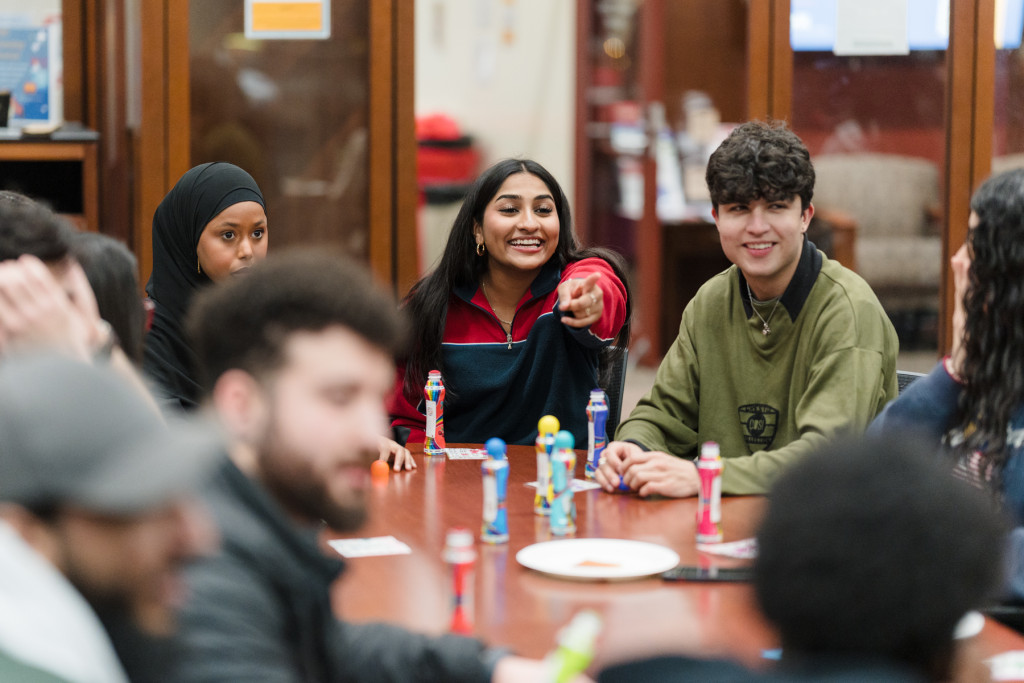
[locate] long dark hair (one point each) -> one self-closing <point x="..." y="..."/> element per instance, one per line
<point x="111" y="270"/>
<point x="427" y="301"/>
<point x="993" y="367"/>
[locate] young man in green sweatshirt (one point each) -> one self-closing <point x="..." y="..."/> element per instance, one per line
<point x="775" y="355"/>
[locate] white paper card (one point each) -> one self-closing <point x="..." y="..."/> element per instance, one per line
<point x="1008" y="666"/>
<point x="745" y="549"/>
<point x="577" y="485"/>
<point x="369" y="547"/>
<point x="466" y="453"/>
<point x="871" y="27"/>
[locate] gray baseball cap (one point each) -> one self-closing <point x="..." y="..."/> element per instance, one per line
<point x="72" y="433"/>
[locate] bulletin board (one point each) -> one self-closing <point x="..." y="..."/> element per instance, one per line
<point x="31" y="64"/>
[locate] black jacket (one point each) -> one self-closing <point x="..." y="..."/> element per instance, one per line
<point x="260" y="610"/>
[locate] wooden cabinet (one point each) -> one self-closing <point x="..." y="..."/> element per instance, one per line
<point x="62" y="173"/>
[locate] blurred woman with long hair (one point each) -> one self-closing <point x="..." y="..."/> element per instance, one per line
<point x="972" y="403"/>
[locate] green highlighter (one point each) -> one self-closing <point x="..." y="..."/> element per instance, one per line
<point x="575" y="648"/>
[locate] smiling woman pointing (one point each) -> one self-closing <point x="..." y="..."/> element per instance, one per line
<point x="514" y="316"/>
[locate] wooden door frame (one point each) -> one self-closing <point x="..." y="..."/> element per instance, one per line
<point x="970" y="112"/>
<point x="162" y="143"/>
<point x="769" y="60"/>
<point x="647" y="300"/>
<point x="394" y="253"/>
<point x="582" y="175"/>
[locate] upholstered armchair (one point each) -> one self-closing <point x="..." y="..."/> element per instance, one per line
<point x="894" y="201"/>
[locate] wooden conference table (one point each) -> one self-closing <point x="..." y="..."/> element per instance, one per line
<point x="522" y="609"/>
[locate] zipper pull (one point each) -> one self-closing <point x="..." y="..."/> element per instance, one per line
<point x="508" y="338"/>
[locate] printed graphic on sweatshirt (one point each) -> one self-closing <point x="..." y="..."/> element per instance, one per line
<point x="759" y="423"/>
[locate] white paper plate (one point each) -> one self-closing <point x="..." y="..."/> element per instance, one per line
<point x="597" y="559"/>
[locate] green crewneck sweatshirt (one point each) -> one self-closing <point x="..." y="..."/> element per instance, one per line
<point x="827" y="367"/>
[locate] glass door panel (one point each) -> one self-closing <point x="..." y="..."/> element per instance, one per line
<point x="1008" y="124"/>
<point x="291" y="112"/>
<point x="875" y="127"/>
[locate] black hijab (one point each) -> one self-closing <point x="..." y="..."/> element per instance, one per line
<point x="197" y="198"/>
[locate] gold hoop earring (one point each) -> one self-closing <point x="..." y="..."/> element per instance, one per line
<point x="480" y="248"/>
<point x="199" y="268"/>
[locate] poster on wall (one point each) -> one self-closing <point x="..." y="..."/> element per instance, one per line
<point x="288" y="19"/>
<point x="31" y="65"/>
<point x="871" y="27"/>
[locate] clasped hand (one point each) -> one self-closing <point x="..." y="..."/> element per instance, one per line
<point x="646" y="472"/>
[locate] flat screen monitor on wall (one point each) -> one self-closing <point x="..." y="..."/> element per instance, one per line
<point x="813" y="24"/>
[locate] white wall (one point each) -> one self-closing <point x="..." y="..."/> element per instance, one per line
<point x="517" y="97"/>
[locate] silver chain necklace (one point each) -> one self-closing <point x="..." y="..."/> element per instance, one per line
<point x="765" y="330"/>
<point x="506" y="322"/>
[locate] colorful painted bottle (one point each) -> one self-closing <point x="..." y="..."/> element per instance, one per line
<point x="545" y="445"/>
<point x="709" y="501"/>
<point x="495" y="475"/>
<point x="597" y="430"/>
<point x="563" y="508"/>
<point x="575" y="648"/>
<point x="461" y="558"/>
<point x="434" y="395"/>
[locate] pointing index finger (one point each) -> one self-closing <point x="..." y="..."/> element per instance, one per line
<point x="589" y="282"/>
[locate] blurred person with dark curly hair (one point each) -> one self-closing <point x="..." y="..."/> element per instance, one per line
<point x="775" y="354"/>
<point x="869" y="557"/>
<point x="973" y="401"/>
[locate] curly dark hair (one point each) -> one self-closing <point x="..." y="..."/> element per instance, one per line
<point x="27" y="227"/>
<point x="994" y="306"/>
<point x="872" y="549"/>
<point x="246" y="322"/>
<point x="760" y="160"/>
<point x="427" y="301"/>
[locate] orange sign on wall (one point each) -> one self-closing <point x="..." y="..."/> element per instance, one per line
<point x="287" y="19"/>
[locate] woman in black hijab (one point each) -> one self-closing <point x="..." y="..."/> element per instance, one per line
<point x="210" y="226"/>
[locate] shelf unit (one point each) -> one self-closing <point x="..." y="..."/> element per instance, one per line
<point x="62" y="173"/>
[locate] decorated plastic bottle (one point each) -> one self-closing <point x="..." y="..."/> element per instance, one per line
<point x="563" y="508"/>
<point x="709" y="501"/>
<point x="461" y="559"/>
<point x="545" y="445"/>
<point x="575" y="648"/>
<point x="568" y="446"/>
<point x="434" y="395"/>
<point x="495" y="476"/>
<point x="597" y="425"/>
